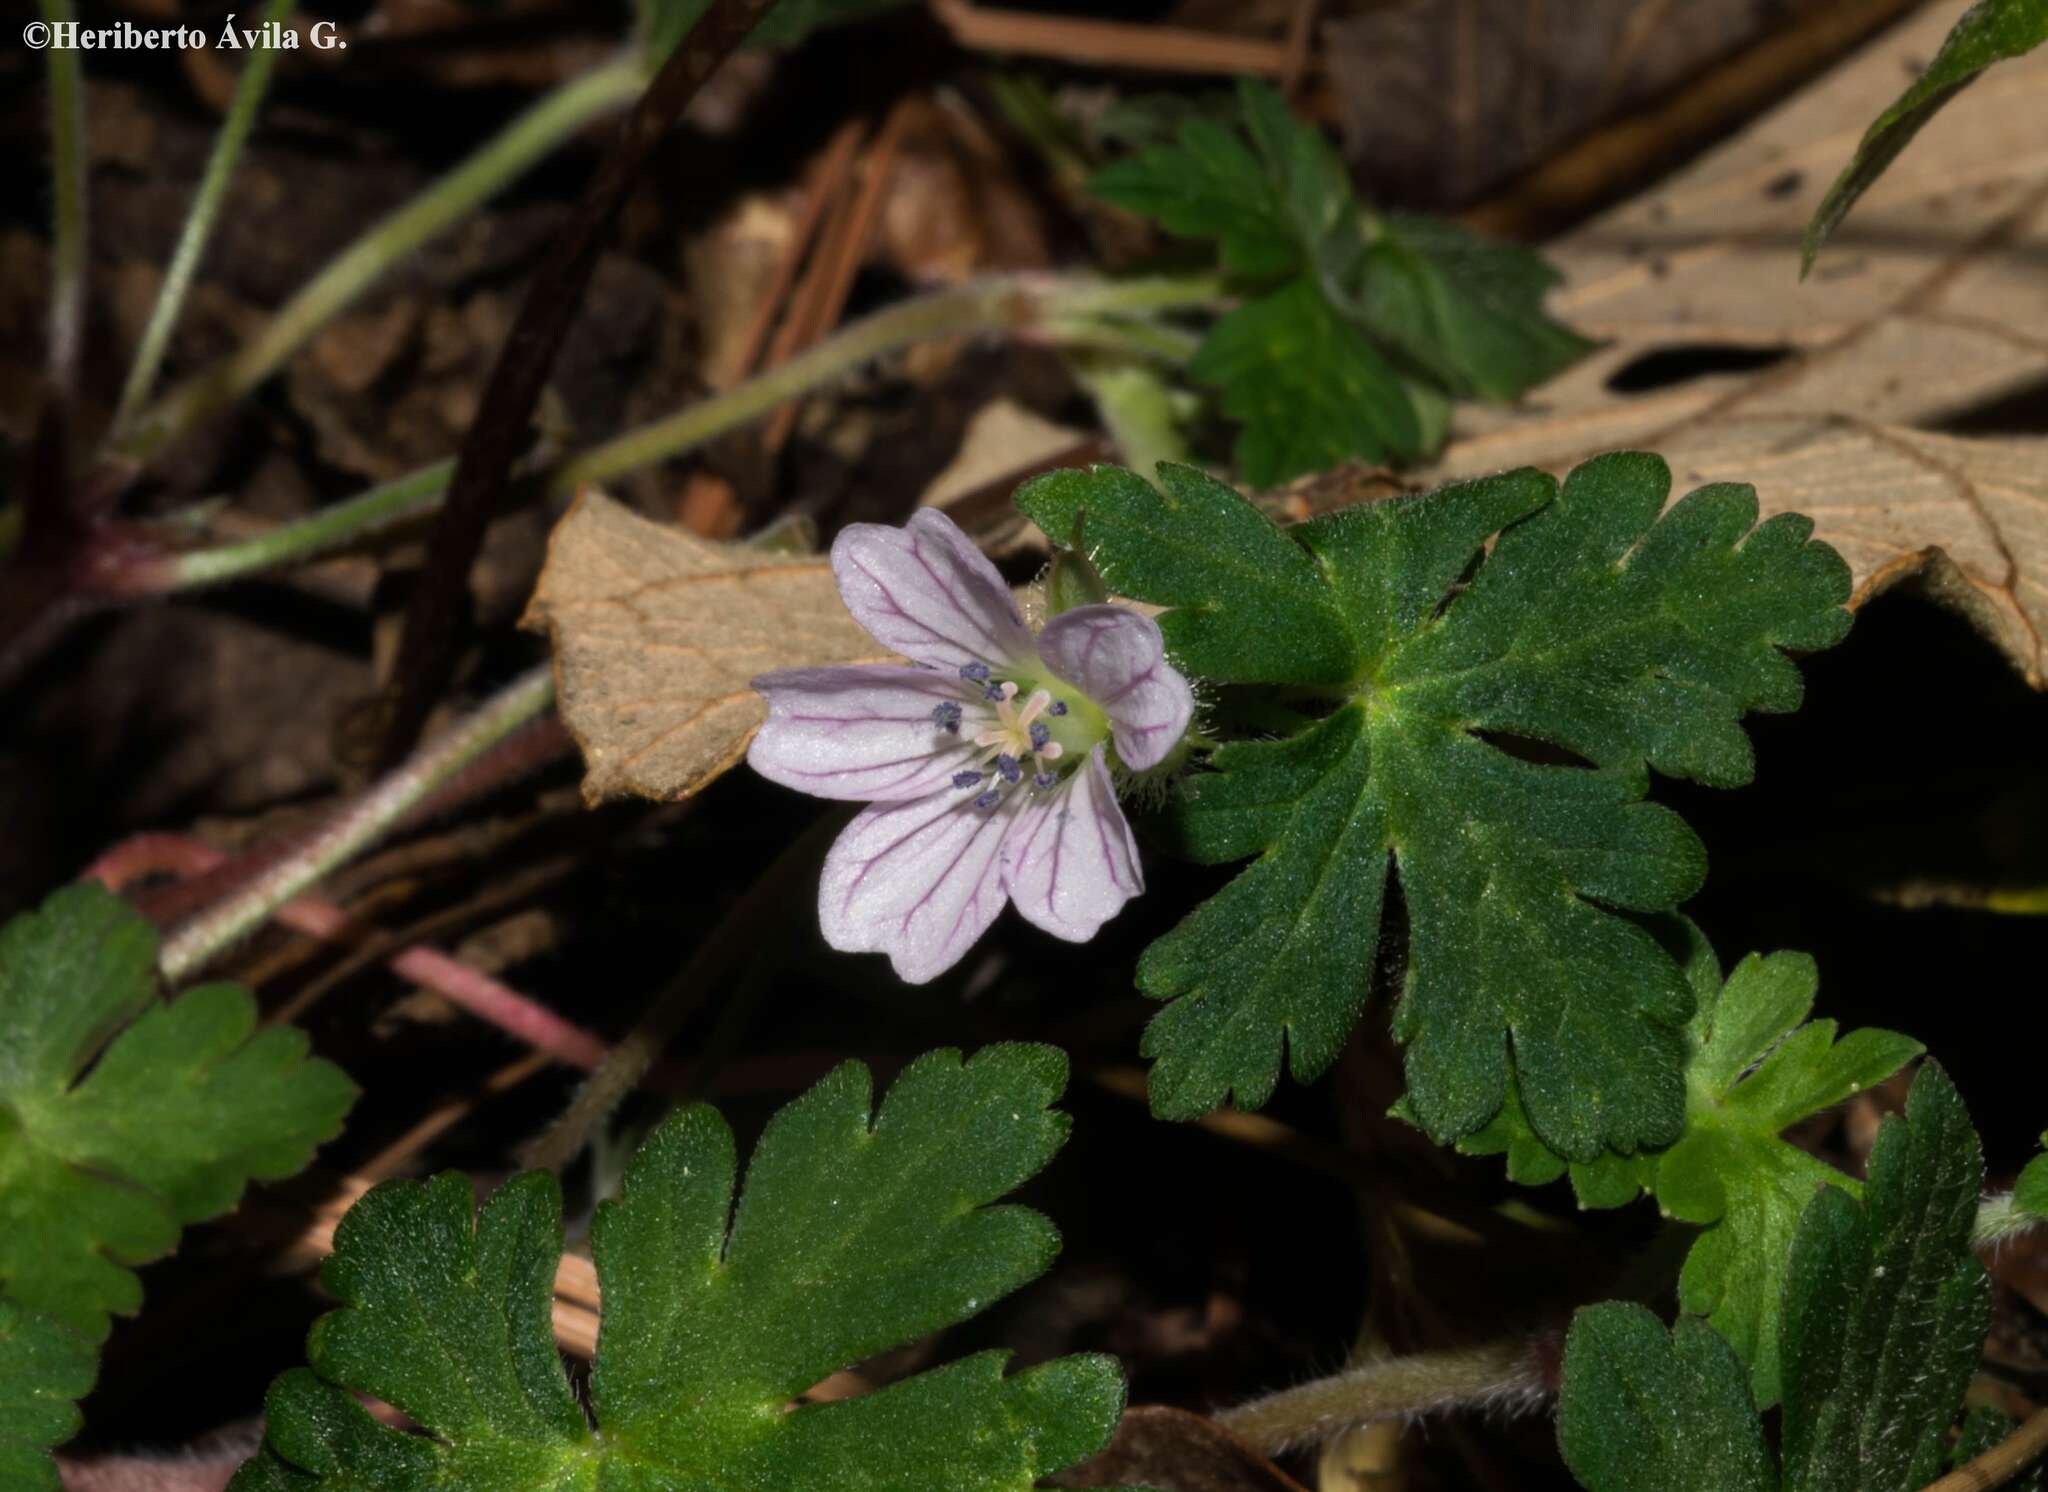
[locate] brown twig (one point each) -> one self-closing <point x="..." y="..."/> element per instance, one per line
<point x="427" y="650"/>
<point x="829" y="176"/>
<point x="2002" y="1462"/>
<point x="840" y="252"/>
<point x="1109" y="43"/>
<point x="483" y="997"/>
<point x="1615" y="158"/>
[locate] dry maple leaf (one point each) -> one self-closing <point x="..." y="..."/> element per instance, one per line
<point x="1898" y="396"/>
<point x="657" y="636"/>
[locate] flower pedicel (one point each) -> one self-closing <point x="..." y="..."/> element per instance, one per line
<point x="985" y="764"/>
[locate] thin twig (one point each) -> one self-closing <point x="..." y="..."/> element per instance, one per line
<point x="492" y="1002"/>
<point x="358" y="826"/>
<point x="427" y="649"/>
<point x="834" y="162"/>
<point x="2002" y="1462"/>
<point x="840" y="252"/>
<point x="628" y="1062"/>
<point x="1109" y="43"/>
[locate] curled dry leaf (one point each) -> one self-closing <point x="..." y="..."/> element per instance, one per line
<point x="1172" y="1449"/>
<point x="657" y="634"/>
<point x="1900" y="396"/>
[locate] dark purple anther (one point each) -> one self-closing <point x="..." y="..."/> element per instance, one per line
<point x="1057" y="707"/>
<point x="988" y="800"/>
<point x="946" y="716"/>
<point x="1040" y="734"/>
<point x="1009" y="767"/>
<point x="966" y="779"/>
<point x="1044" y="781"/>
<point x="993" y="691"/>
<point x="974" y="671"/>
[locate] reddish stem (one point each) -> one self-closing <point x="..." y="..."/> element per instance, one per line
<point x="487" y="999"/>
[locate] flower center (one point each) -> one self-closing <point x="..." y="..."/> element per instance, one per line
<point x="1038" y="738"/>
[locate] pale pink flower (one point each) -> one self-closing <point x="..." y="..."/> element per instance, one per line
<point x="985" y="766"/>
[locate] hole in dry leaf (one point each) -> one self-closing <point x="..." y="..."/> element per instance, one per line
<point x="1529" y="749"/>
<point x="1666" y="367"/>
<point x="2023" y="411"/>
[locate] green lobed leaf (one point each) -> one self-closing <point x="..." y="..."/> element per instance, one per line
<point x="1752" y="1071"/>
<point x="1990" y="31"/>
<point x="124" y="1116"/>
<point x="1310" y="388"/>
<point x="1643" y="1409"/>
<point x="1339" y="306"/>
<point x="45" y="1368"/>
<point x="1273" y="195"/>
<point x="854" y="1233"/>
<point x="1595" y="626"/>
<point x="1886" y="1306"/>
<point x="1466" y="311"/>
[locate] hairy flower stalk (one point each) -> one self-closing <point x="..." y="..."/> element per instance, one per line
<point x="985" y="762"/>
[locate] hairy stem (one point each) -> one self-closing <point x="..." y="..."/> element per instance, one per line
<point x="349" y="274"/>
<point x="305" y="538"/>
<point x="1504" y="1373"/>
<point x="1015" y="302"/>
<point x="357" y="826"/>
<point x="67" y="191"/>
<point x="206" y="204"/>
<point x="2002" y="1462"/>
<point x="1004" y="303"/>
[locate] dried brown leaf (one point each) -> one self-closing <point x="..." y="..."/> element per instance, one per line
<point x="1909" y="410"/>
<point x="657" y="634"/>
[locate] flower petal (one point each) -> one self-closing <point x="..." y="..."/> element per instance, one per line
<point x="1117" y="658"/>
<point x="1071" y="863"/>
<point x="863" y="732"/>
<point x="926" y="592"/>
<point x="918" y="881"/>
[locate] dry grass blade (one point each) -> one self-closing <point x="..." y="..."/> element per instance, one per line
<point x="657" y="636"/>
<point x="1898" y="396"/>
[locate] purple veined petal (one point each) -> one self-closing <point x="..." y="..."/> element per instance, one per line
<point x="926" y="592"/>
<point x="918" y="881"/>
<point x="864" y="732"/>
<point x="1070" y="863"/>
<point x="1117" y="658"/>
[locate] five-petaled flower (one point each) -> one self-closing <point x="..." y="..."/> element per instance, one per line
<point x="985" y="765"/>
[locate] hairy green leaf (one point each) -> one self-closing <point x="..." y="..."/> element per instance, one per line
<point x="1886" y="1306"/>
<point x="124" y="1116"/>
<point x="1752" y="1071"/>
<point x="1339" y="305"/>
<point x="1464" y="310"/>
<point x="1596" y="626"/>
<point x="1646" y="1410"/>
<point x="854" y="1233"/>
<point x="1274" y="195"/>
<point x="1983" y="1428"/>
<point x="1309" y="387"/>
<point x="1990" y="31"/>
<point x="45" y="1368"/>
